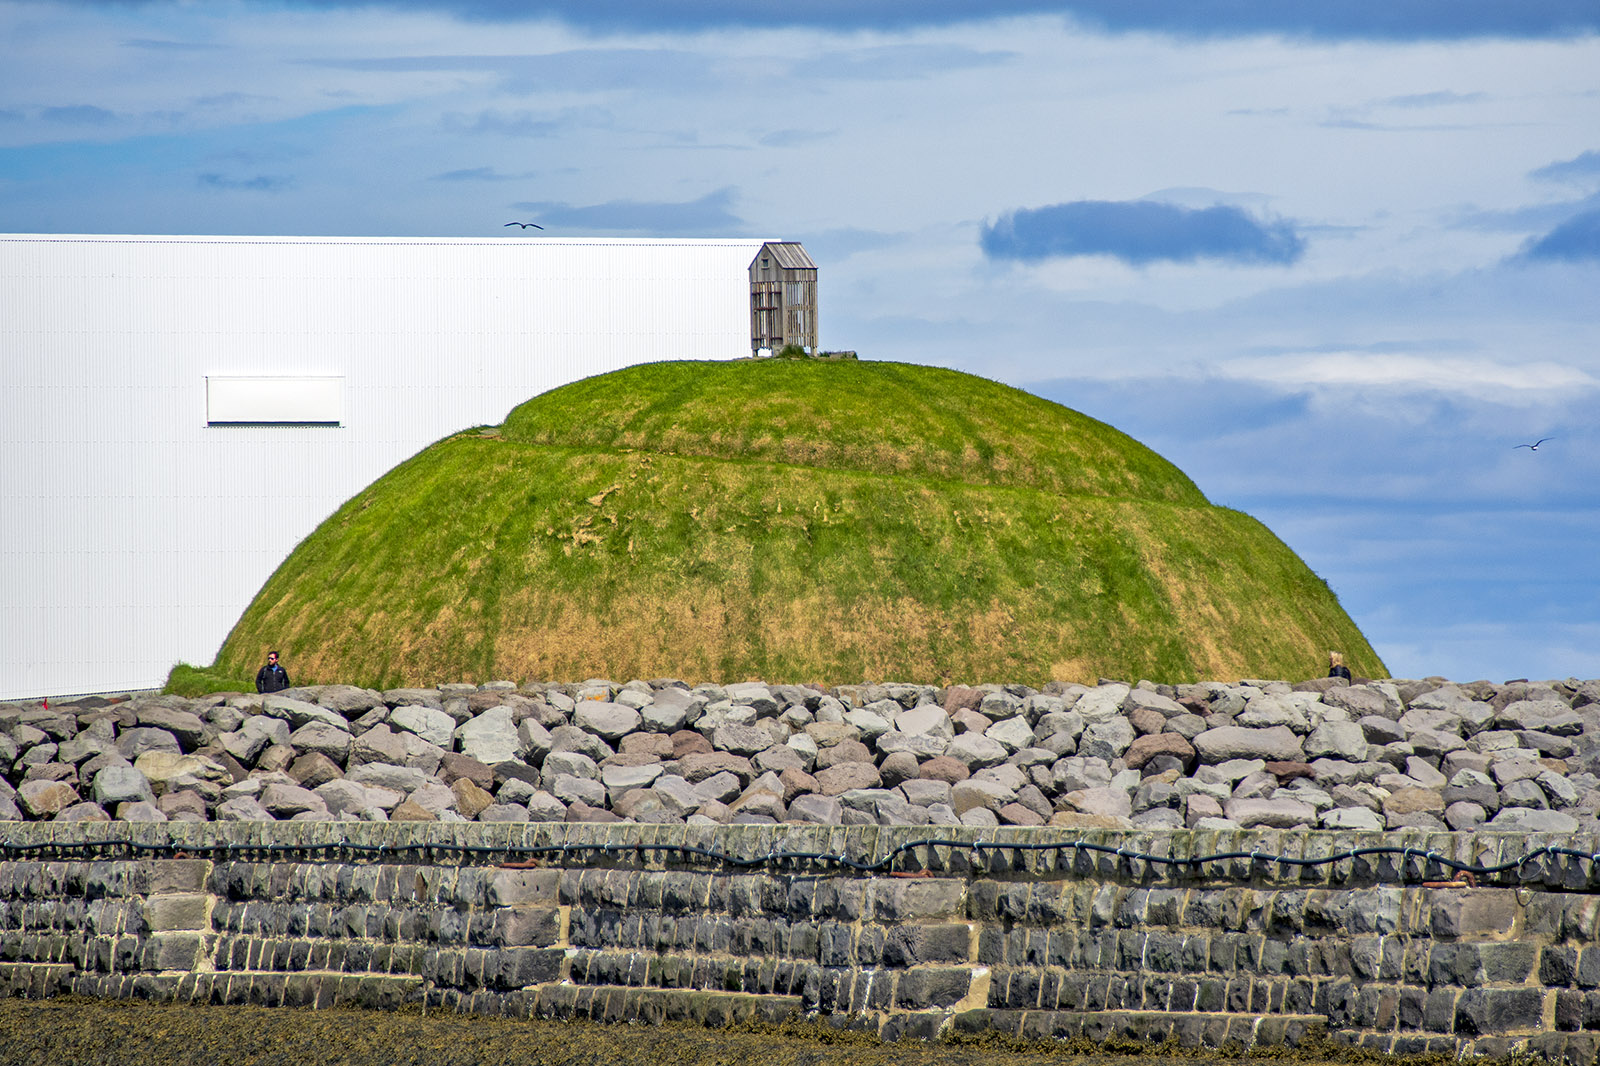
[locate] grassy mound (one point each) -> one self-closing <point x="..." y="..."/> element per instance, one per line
<point x="789" y="521"/>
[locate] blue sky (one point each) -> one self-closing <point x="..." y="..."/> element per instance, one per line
<point x="1335" y="260"/>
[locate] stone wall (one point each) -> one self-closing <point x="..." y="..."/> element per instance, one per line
<point x="1387" y="950"/>
<point x="1372" y="755"/>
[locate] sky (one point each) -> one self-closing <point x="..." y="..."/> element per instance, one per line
<point x="1336" y="261"/>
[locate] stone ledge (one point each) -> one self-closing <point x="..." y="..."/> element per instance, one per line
<point x="35" y="980"/>
<point x="1187" y="1028"/>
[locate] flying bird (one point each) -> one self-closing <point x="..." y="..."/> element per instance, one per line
<point x="525" y="225"/>
<point x="1535" y="445"/>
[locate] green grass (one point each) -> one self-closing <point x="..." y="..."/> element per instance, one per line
<point x="186" y="680"/>
<point x="790" y="521"/>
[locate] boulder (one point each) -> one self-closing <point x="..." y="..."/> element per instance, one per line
<point x="1240" y="742"/>
<point x="120" y="784"/>
<point x="430" y="724"/>
<point x="609" y="721"/>
<point x="325" y="740"/>
<point x="841" y="778"/>
<point x="491" y="737"/>
<point x="1341" y="740"/>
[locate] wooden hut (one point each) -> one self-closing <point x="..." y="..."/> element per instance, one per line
<point x="783" y="299"/>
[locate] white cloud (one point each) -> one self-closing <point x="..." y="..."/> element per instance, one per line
<point x="1481" y="379"/>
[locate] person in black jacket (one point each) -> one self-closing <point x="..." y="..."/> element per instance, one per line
<point x="1336" y="666"/>
<point x="272" y="677"/>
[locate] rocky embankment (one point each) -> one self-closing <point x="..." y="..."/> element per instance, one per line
<point x="1523" y="756"/>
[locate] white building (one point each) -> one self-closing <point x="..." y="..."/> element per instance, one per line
<point x="177" y="413"/>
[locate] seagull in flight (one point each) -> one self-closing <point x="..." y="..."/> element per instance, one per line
<point x="525" y="225"/>
<point x="1535" y="445"/>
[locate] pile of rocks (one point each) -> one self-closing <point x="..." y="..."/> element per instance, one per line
<point x="1371" y="755"/>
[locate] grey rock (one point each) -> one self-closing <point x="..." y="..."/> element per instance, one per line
<point x="569" y="790"/>
<point x="342" y="797"/>
<point x="609" y="721"/>
<point x="543" y="807"/>
<point x="120" y="784"/>
<point x="1545" y="716"/>
<point x="620" y="779"/>
<point x="189" y="728"/>
<point x="1271" y="813"/>
<point x="1343" y="740"/>
<point x="976" y="751"/>
<point x="1278" y="743"/>
<point x="815" y="809"/>
<point x="1524" y="792"/>
<point x="132" y="743"/>
<point x="399" y="778"/>
<point x="928" y="720"/>
<point x="245" y="746"/>
<point x="491" y="737"/>
<point x="1463" y="815"/>
<point x="286" y="801"/>
<point x="670" y="710"/>
<point x="1532" y="820"/>
<point x="842" y="778"/>
<point x="85" y="811"/>
<point x="1270" y="710"/>
<point x="740" y="739"/>
<point x="1107" y="739"/>
<point x="924" y="792"/>
<point x="140" y="811"/>
<point x="568" y="764"/>
<point x="1013" y="734"/>
<point x="298" y="712"/>
<point x="323" y="740"/>
<point x="242" y="809"/>
<point x="430" y="724"/>
<point x="723" y="787"/>
<point x="571" y="738"/>
<point x="868" y="723"/>
<point x="504" y="812"/>
<point x="1351" y="819"/>
<point x="919" y="745"/>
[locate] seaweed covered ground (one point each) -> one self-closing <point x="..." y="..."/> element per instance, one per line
<point x="71" y="1031"/>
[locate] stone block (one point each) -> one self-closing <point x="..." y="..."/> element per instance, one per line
<point x="508" y="887"/>
<point x="920" y="899"/>
<point x="527" y="925"/>
<point x="910" y="945"/>
<point x="932" y="986"/>
<point x="178" y="910"/>
<point x="175" y="951"/>
<point x="1491" y="1011"/>
<point x="1472" y="912"/>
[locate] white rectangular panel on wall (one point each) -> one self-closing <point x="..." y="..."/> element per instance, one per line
<point x="262" y="401"/>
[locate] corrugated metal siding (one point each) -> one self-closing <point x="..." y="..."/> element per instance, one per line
<point x="133" y="535"/>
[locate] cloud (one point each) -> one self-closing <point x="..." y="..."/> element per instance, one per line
<point x="1414" y="20"/>
<point x="479" y="174"/>
<point x="1482" y="379"/>
<point x="1584" y="169"/>
<point x="1576" y="239"/>
<point x="1140" y="232"/>
<point x="711" y="214"/>
<point x="529" y="123"/>
<point x="79" y="115"/>
<point x="259" y="183"/>
<point x="791" y="138"/>
<point x="575" y="70"/>
<point x="1434" y="99"/>
<point x="901" y="62"/>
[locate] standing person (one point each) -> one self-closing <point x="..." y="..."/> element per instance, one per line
<point x="272" y="677"/>
<point x="1336" y="666"/>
